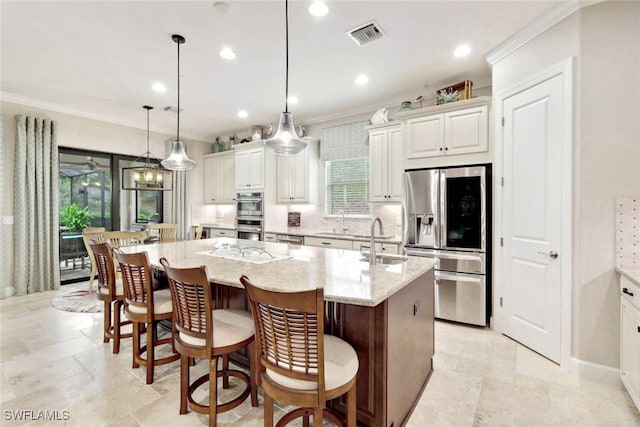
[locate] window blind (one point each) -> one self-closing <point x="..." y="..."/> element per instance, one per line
<point x="344" y="142"/>
<point x="348" y="186"/>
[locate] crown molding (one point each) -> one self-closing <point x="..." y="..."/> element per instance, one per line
<point x="38" y="103"/>
<point x="535" y="28"/>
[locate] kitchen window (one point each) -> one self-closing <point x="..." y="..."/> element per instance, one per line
<point x="347" y="186"/>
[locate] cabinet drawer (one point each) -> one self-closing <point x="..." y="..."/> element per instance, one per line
<point x="220" y="232"/>
<point x="269" y="237"/>
<point x="630" y="291"/>
<point x="327" y="243"/>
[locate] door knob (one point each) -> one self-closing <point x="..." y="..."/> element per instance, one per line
<point x="550" y="254"/>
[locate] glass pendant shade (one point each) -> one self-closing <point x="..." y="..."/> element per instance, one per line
<point x="285" y="142"/>
<point x="178" y="159"/>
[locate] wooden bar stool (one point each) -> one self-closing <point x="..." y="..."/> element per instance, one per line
<point x="145" y="309"/>
<point x="110" y="290"/>
<point x="302" y="366"/>
<point x="95" y="234"/>
<point x="208" y="334"/>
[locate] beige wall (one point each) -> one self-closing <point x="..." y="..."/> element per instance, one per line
<point x="604" y="41"/>
<point x="78" y="132"/>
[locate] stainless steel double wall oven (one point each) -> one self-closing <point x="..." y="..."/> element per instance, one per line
<point x="448" y="217"/>
<point x="250" y="216"/>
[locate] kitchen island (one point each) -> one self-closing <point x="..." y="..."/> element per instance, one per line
<point x="384" y="311"/>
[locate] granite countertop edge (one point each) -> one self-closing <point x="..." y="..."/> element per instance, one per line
<point x="328" y="235"/>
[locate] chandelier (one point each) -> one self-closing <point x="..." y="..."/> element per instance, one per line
<point x="148" y="177"/>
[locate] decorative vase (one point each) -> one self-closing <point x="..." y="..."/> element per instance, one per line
<point x="217" y="146"/>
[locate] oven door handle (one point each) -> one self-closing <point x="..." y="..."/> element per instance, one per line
<point x="457" y="278"/>
<point x="258" y="229"/>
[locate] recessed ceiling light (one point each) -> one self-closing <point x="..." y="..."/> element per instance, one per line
<point x="462" y="50"/>
<point x="362" y="79"/>
<point x="243" y="114"/>
<point x="318" y="8"/>
<point x="228" y="53"/>
<point x="159" y="87"/>
<point x="292" y="99"/>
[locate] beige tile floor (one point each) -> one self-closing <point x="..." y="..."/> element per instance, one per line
<point x="55" y="360"/>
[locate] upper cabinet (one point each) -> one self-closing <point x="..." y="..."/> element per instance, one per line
<point x="386" y="162"/>
<point x="297" y="176"/>
<point x="219" y="178"/>
<point x="250" y="166"/>
<point x="449" y="134"/>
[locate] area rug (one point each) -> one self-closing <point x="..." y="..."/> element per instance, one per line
<point x="77" y="298"/>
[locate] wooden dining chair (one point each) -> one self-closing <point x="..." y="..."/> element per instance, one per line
<point x="164" y="231"/>
<point x="118" y="239"/>
<point x="95" y="234"/>
<point x="198" y="233"/>
<point x="301" y="365"/>
<point x="205" y="333"/>
<point x="110" y="290"/>
<point x="145" y="308"/>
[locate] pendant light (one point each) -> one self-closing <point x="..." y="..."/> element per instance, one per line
<point x="148" y="177"/>
<point x="286" y="141"/>
<point x="178" y="159"/>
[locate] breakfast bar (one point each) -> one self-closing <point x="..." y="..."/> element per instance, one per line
<point x="385" y="311"/>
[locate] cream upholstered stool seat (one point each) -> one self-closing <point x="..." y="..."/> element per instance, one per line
<point x="111" y="291"/>
<point x="145" y="308"/>
<point x="340" y="365"/>
<point x="209" y="334"/>
<point x="302" y="366"/>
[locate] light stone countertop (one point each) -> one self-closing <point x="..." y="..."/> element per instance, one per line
<point x="632" y="274"/>
<point x="340" y="272"/>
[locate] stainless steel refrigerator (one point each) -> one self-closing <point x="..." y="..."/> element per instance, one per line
<point x="448" y="217"/>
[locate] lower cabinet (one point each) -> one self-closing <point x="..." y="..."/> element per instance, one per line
<point x="322" y="242"/>
<point x="630" y="338"/>
<point x="381" y="248"/>
<point x="394" y="342"/>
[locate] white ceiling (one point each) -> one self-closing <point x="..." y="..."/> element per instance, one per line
<point x="99" y="58"/>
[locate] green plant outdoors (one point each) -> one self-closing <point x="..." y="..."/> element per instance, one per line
<point x="74" y="217"/>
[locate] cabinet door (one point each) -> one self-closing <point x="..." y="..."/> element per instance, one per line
<point x="630" y="348"/>
<point x="378" y="167"/>
<point x="364" y="328"/>
<point x="243" y="167"/>
<point x="425" y="136"/>
<point x="299" y="177"/>
<point x="395" y="154"/>
<point x="212" y="176"/>
<point x="256" y="169"/>
<point x="283" y="177"/>
<point x="228" y="179"/>
<point x="466" y="131"/>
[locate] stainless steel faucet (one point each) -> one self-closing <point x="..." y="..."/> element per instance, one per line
<point x="372" y="250"/>
<point x="340" y="220"/>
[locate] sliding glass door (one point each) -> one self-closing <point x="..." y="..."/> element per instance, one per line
<point x="90" y="196"/>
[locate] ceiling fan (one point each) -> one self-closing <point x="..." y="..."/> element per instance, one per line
<point x="90" y="164"/>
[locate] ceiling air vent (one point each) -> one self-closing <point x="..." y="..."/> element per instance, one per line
<point x="363" y="34"/>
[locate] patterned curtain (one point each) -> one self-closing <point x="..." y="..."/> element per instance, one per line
<point x="3" y="192"/>
<point x="178" y="213"/>
<point x="36" y="198"/>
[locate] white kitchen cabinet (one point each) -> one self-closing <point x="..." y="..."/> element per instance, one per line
<point x="219" y="178"/>
<point x="386" y="156"/>
<point x="630" y="338"/>
<point x="452" y="133"/>
<point x="220" y="232"/>
<point x="323" y="242"/>
<point x="270" y="237"/>
<point x="381" y="248"/>
<point x="297" y="176"/>
<point x="250" y="167"/>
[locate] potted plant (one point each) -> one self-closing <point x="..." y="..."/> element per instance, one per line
<point x="74" y="218"/>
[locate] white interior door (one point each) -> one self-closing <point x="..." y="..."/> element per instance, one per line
<point x="532" y="216"/>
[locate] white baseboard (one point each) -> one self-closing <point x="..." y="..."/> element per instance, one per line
<point x="596" y="372"/>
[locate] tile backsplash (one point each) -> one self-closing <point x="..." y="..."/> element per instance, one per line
<point x="628" y="232"/>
